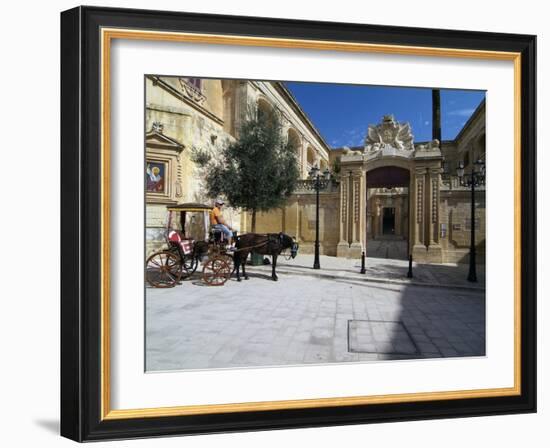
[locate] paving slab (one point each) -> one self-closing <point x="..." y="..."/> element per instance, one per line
<point x="379" y="270"/>
<point x="305" y="320"/>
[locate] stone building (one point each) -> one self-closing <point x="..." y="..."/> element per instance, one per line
<point x="414" y="201"/>
<point x="391" y="197"/>
<point x="185" y="113"/>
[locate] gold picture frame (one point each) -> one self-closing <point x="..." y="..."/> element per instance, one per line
<point x="109" y="25"/>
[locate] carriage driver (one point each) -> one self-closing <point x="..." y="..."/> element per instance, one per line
<point x="217" y="221"/>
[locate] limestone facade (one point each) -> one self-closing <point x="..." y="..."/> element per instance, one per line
<point x="427" y="207"/>
<point x="186" y="113"/>
<point x="391" y="187"/>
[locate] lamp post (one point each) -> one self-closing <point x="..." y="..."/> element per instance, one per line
<point x="318" y="183"/>
<point x="475" y="178"/>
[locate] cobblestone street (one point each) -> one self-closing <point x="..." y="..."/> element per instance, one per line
<point x="304" y="319"/>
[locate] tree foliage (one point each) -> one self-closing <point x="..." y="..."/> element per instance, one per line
<point x="258" y="172"/>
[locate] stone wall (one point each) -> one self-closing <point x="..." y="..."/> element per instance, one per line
<point x="455" y="222"/>
<point x="190" y="124"/>
<point x="297" y="219"/>
<point x="208" y="121"/>
<point x="155" y="216"/>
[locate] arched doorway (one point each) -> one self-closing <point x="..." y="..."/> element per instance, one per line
<point x="387" y="196"/>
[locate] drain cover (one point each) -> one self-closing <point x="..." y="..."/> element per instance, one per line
<point x="383" y="337"/>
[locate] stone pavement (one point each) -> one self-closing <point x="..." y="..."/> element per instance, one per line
<point x="304" y="319"/>
<point x="381" y="270"/>
<point x="388" y="247"/>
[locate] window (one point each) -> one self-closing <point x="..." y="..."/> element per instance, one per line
<point x="195" y="82"/>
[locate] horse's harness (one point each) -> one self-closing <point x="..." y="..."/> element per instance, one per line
<point x="270" y="238"/>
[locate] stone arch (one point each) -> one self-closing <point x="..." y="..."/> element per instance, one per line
<point x="399" y="162"/>
<point x="295" y="140"/>
<point x="323" y="165"/>
<point x="388" y="176"/>
<point x="311" y="157"/>
<point x="264" y="107"/>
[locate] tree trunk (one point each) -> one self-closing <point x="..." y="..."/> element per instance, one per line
<point x="253" y="226"/>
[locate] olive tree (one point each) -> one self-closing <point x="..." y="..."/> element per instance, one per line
<point x="257" y="172"/>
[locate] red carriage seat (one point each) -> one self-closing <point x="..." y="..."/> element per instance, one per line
<point x="186" y="244"/>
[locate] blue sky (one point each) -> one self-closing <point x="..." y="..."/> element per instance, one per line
<point x="342" y="113"/>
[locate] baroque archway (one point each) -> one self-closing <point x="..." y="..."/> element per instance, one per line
<point x="391" y="160"/>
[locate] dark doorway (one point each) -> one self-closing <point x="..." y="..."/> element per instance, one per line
<point x="388" y="177"/>
<point x="388" y="221"/>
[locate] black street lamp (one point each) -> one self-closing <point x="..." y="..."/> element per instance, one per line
<point x="474" y="179"/>
<point x="318" y="183"/>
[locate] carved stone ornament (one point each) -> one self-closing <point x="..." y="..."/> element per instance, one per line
<point x="435" y="200"/>
<point x="431" y="146"/>
<point x="158" y="127"/>
<point x="191" y="91"/>
<point x="389" y="134"/>
<point x="356" y="194"/>
<point x="344" y="201"/>
<point x="419" y="199"/>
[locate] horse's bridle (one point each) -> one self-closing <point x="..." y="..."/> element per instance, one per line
<point x="293" y="250"/>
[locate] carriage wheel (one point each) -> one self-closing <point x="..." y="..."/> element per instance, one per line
<point x="216" y="271"/>
<point x="229" y="260"/>
<point x="163" y="269"/>
<point x="189" y="266"/>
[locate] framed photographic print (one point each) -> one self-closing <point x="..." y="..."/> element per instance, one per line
<point x="277" y="224"/>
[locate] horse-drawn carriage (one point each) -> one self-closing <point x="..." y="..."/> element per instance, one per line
<point x="190" y="240"/>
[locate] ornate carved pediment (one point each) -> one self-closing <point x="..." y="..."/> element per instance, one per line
<point x="389" y="134"/>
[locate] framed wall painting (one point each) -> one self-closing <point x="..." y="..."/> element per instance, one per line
<point x="130" y="78"/>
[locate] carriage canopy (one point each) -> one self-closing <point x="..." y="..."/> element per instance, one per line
<point x="196" y="226"/>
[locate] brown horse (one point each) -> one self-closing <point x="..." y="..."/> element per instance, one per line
<point x="262" y="243"/>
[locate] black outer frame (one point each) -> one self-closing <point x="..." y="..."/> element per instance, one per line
<point x="81" y="212"/>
